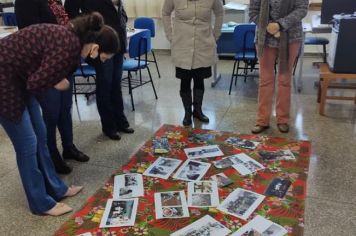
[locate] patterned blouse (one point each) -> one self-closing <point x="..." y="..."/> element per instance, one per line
<point x="59" y="12"/>
<point x="33" y="60"/>
<point x="292" y="23"/>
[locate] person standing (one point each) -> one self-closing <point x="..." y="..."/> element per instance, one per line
<point x="193" y="47"/>
<point x="279" y="36"/>
<point x="109" y="74"/>
<point x="33" y="60"/>
<point x="56" y="105"/>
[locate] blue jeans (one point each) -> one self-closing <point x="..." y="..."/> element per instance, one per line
<point x="42" y="185"/>
<point x="109" y="95"/>
<point x="56" y="110"/>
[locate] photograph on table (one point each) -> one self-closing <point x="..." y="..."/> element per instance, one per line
<point x="278" y="155"/>
<point x="85" y="234"/>
<point x="221" y="179"/>
<point x="171" y="205"/>
<point x="245" y="165"/>
<point x="203" y="152"/>
<point x="162" y="168"/>
<point x="128" y="186"/>
<point x="119" y="213"/>
<point x="241" y="203"/>
<point x="205" y="226"/>
<point x="262" y="227"/>
<point x="203" y="194"/>
<point x="242" y="143"/>
<point x="161" y="145"/>
<point x="278" y="187"/>
<point x="223" y="163"/>
<point x="192" y="170"/>
<point x="201" y="138"/>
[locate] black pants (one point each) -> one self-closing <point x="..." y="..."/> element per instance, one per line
<point x="109" y="95"/>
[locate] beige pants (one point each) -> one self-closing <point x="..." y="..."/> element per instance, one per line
<point x="267" y="85"/>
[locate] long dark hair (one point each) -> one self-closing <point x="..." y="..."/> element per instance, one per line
<point x="90" y="28"/>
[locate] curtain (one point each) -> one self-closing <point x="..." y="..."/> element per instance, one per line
<point x="149" y="8"/>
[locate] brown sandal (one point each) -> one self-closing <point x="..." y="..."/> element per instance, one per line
<point x="259" y="129"/>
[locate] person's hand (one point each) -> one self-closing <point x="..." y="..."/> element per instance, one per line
<point x="277" y="35"/>
<point x="62" y="85"/>
<point x="273" y="28"/>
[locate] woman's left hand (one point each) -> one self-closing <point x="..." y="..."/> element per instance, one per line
<point x="62" y="85"/>
<point x="273" y="28"/>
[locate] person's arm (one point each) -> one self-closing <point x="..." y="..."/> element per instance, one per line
<point x="296" y="16"/>
<point x="218" y="10"/>
<point x="55" y="66"/>
<point x="167" y="10"/>
<point x="254" y="10"/>
<point x="72" y="8"/>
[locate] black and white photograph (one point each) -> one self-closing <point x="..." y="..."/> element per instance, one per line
<point x="278" y="187"/>
<point x="245" y="165"/>
<point x="203" y="194"/>
<point x="262" y="227"/>
<point x="279" y="155"/>
<point x="128" y="186"/>
<point x="223" y="163"/>
<point x="203" y="152"/>
<point x="119" y="213"/>
<point x="192" y="170"/>
<point x="162" y="168"/>
<point x="221" y="179"/>
<point x="241" y="203"/>
<point x="205" y="226"/>
<point x="171" y="205"/>
<point x="242" y="143"/>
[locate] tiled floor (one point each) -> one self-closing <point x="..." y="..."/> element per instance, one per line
<point x="331" y="202"/>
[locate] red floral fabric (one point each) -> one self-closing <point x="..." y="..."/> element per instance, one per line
<point x="288" y="212"/>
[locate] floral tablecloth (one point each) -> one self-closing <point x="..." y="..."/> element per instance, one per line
<point x="288" y="212"/>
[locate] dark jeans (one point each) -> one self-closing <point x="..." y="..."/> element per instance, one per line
<point x="109" y="95"/>
<point x="56" y="108"/>
<point x="42" y="185"/>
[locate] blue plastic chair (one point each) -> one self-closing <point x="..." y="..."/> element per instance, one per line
<point x="245" y="50"/>
<point x="9" y="18"/>
<point x="139" y="46"/>
<point x="84" y="71"/>
<point x="148" y="23"/>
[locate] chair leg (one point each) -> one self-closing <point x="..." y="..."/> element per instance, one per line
<point x="153" y="86"/>
<point x="237" y="72"/>
<point x="232" y="77"/>
<point x="130" y="91"/>
<point x="140" y="77"/>
<point x="155" y="61"/>
<point x="245" y="71"/>
<point x="75" y="89"/>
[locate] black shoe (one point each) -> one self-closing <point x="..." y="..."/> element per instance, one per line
<point x="113" y="136"/>
<point x="200" y="116"/>
<point x="75" y="154"/>
<point x="127" y="130"/>
<point x="61" y="166"/>
<point x="187" y="121"/>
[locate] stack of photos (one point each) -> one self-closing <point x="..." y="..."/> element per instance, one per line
<point x="241" y="203"/>
<point x="278" y="187"/>
<point x="162" y="168"/>
<point x="276" y="155"/>
<point x="243" y="143"/>
<point x="128" y="186"/>
<point x="221" y="179"/>
<point x="119" y="213"/>
<point x="203" y="152"/>
<point x="205" y="226"/>
<point x="260" y="226"/>
<point x="171" y="205"/>
<point x="161" y="145"/>
<point x="223" y="163"/>
<point x="203" y="194"/>
<point x="245" y="165"/>
<point x="192" y="170"/>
